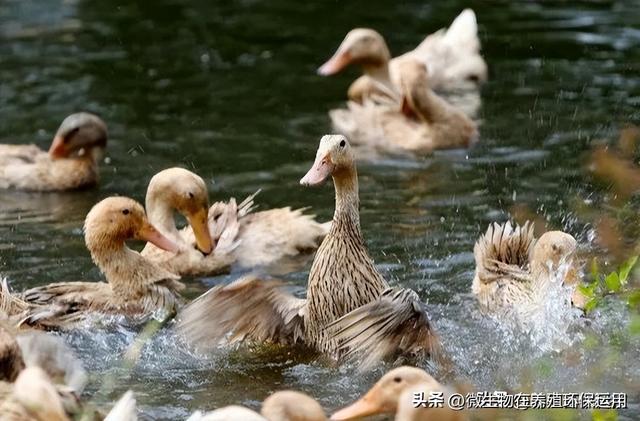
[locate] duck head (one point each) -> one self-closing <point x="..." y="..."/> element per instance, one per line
<point x="36" y="393"/>
<point x="361" y="46"/>
<point x="552" y="252"/>
<point x="383" y="397"/>
<point x="115" y="220"/>
<point x="80" y="133"/>
<point x="185" y="192"/>
<point x="289" y="405"/>
<point x="333" y="157"/>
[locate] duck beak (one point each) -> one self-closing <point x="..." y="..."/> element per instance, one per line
<point x="58" y="148"/>
<point x="150" y="234"/>
<point x="339" y="61"/>
<point x="369" y="404"/>
<point x="319" y="172"/>
<point x="200" y="225"/>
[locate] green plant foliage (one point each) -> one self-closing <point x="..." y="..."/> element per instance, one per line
<point x="612" y="283"/>
<point x="608" y="415"/>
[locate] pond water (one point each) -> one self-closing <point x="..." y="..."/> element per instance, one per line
<point x="229" y="90"/>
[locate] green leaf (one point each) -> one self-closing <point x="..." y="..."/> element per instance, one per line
<point x="626" y="267"/>
<point x="634" y="299"/>
<point x="612" y="281"/>
<point x="634" y="326"/>
<point x="591" y="304"/>
<point x="588" y="290"/>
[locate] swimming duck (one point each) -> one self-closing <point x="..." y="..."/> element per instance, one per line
<point x="452" y="58"/>
<point x="70" y="164"/>
<point x="135" y="287"/>
<point x="285" y="405"/>
<point x="242" y="237"/>
<point x="349" y="310"/>
<point x="25" y="350"/>
<point x="34" y="397"/>
<point x="421" y="123"/>
<point x="514" y="270"/>
<point x="394" y="393"/>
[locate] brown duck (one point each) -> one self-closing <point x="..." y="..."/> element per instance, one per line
<point x="393" y="393"/>
<point x="514" y="270"/>
<point x="420" y="122"/>
<point x="349" y="308"/>
<point x="240" y="236"/>
<point x="135" y="287"/>
<point x="19" y="355"/>
<point x="284" y="405"/>
<point x="70" y="164"/>
<point x="452" y="57"/>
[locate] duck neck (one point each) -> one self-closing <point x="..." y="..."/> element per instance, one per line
<point x="346" y="217"/>
<point x="379" y="72"/>
<point x="161" y="216"/>
<point x="124" y="269"/>
<point x="429" y="106"/>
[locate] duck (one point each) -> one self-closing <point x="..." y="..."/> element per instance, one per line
<point x="136" y="288"/>
<point x="349" y="310"/>
<point x="451" y="56"/>
<point x="421" y="123"/>
<point x="20" y="352"/>
<point x="394" y="394"/>
<point x="34" y="397"/>
<point x="284" y="405"/>
<point x="241" y="237"/>
<point x="70" y="164"/>
<point x="514" y="270"/>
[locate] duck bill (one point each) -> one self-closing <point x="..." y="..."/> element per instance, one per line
<point x="368" y="405"/>
<point x="199" y="224"/>
<point x="339" y="61"/>
<point x="151" y="235"/>
<point x="319" y="172"/>
<point x="58" y="148"/>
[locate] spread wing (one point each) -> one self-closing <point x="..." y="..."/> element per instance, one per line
<point x="504" y="251"/>
<point x="247" y="309"/>
<point x="396" y="324"/>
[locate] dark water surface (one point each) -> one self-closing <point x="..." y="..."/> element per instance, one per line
<point x="229" y="90"/>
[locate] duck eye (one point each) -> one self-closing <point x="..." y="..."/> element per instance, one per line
<point x="397" y="379"/>
<point x="191" y="195"/>
<point x="343" y="143"/>
<point x="125" y="211"/>
<point x="554" y="247"/>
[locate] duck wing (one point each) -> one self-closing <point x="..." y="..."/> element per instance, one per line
<point x="247" y="309"/>
<point x="265" y="237"/>
<point x="19" y="154"/>
<point x="503" y="251"/>
<point x="62" y="304"/>
<point x="395" y="324"/>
